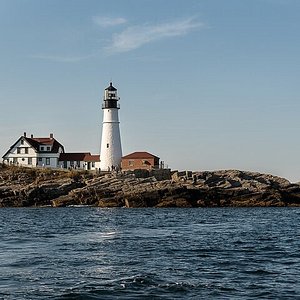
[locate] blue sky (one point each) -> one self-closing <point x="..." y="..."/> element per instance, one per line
<point x="204" y="84"/>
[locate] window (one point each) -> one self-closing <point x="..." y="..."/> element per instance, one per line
<point x="26" y="150"/>
<point x="18" y="150"/>
<point x="72" y="163"/>
<point x="29" y="160"/>
<point x="131" y="162"/>
<point x="47" y="161"/>
<point x="22" y="142"/>
<point x="40" y="159"/>
<point x="48" y="148"/>
<point x="107" y="145"/>
<point x="93" y="164"/>
<point x="15" y="160"/>
<point x="78" y="163"/>
<point x="42" y="148"/>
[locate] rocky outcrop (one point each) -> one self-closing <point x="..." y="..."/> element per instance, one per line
<point x="21" y="187"/>
<point x="38" y="187"/>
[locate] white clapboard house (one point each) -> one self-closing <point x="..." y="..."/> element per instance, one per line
<point x="34" y="152"/>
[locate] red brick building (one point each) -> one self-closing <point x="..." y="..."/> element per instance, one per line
<point x="140" y="160"/>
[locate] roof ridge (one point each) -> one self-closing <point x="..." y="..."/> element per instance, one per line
<point x="140" y="154"/>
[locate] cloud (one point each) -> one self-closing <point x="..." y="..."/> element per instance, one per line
<point x="137" y="36"/>
<point x="66" y="59"/>
<point x="131" y="38"/>
<point x="107" y="21"/>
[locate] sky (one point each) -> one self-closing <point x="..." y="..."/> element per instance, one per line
<point x="204" y="84"/>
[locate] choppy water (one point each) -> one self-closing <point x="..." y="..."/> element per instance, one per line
<point x="91" y="253"/>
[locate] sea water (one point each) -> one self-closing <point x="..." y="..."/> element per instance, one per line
<point x="204" y="253"/>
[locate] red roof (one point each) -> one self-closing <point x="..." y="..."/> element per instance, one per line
<point x="44" y="141"/>
<point x="37" y="142"/>
<point x="92" y="157"/>
<point x="139" y="155"/>
<point x="79" y="156"/>
<point x="73" y="156"/>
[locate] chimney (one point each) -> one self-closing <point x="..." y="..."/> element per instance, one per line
<point x="51" y="135"/>
<point x="24" y="134"/>
<point x="31" y="136"/>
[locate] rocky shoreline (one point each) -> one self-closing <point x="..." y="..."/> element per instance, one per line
<point x="23" y="187"/>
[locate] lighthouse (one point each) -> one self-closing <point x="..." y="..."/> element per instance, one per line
<point x="111" y="149"/>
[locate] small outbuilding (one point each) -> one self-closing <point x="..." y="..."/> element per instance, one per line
<point x="140" y="160"/>
<point x="79" y="160"/>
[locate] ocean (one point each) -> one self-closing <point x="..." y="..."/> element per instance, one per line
<point x="149" y="253"/>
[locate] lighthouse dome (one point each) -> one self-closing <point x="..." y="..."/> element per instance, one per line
<point x="111" y="88"/>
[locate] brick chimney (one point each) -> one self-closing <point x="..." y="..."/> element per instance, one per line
<point x="31" y="136"/>
<point x="51" y="135"/>
<point x="24" y="134"/>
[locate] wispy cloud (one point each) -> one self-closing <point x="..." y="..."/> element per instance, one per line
<point x="137" y="36"/>
<point x="107" y="21"/>
<point x="66" y="59"/>
<point x="131" y="38"/>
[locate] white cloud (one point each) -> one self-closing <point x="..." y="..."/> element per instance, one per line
<point x="107" y="21"/>
<point x="136" y="36"/>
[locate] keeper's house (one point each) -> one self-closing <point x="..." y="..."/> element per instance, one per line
<point x="33" y="152"/>
<point x="140" y="160"/>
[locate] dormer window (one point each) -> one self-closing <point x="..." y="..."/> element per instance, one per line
<point x="48" y="148"/>
<point x="42" y="148"/>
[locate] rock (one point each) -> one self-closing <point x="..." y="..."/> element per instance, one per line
<point x="34" y="187"/>
<point x="63" y="201"/>
<point x="171" y="202"/>
<point x="135" y="201"/>
<point x="110" y="202"/>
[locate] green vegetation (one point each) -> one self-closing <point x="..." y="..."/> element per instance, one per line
<point x="41" y="174"/>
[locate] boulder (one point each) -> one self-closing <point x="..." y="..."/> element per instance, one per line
<point x="63" y="201"/>
<point x="110" y="202"/>
<point x="135" y="201"/>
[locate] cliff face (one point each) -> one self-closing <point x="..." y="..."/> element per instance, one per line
<point x="34" y="187"/>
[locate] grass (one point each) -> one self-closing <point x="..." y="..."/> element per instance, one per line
<point x="40" y="174"/>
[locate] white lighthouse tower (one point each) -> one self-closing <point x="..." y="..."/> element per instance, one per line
<point x="111" y="150"/>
